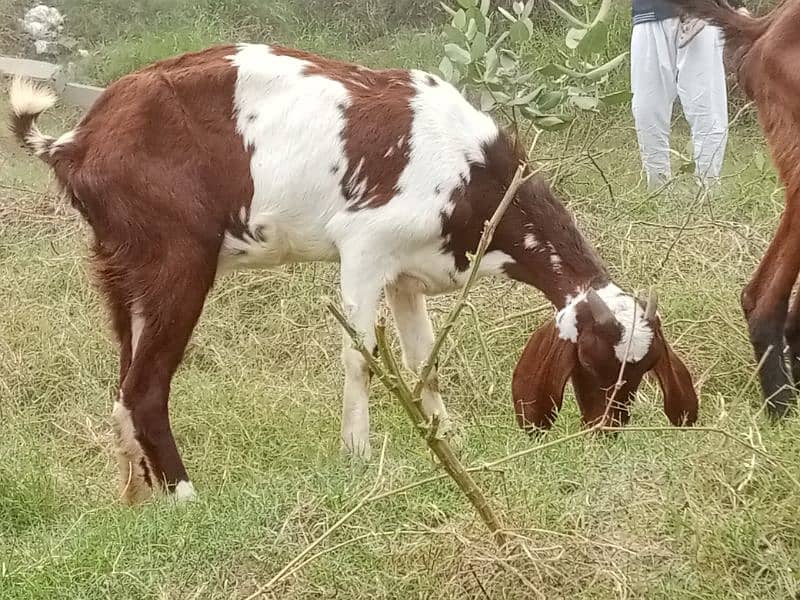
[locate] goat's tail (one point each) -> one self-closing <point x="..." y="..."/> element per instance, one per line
<point x="740" y="29"/>
<point x="28" y="101"/>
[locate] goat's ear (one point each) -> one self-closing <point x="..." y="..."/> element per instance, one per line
<point x="680" y="399"/>
<point x="540" y="377"/>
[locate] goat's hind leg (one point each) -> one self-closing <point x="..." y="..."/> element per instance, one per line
<point x="162" y="319"/>
<point x="792" y="334"/>
<point x="134" y="471"/>
<point x="765" y="301"/>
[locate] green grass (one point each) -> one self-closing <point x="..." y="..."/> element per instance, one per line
<point x="256" y="408"/>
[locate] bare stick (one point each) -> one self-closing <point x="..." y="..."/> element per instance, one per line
<point x="390" y="375"/>
<point x="440" y="447"/>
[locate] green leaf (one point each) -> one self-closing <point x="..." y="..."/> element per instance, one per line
<point x="518" y="7"/>
<point x="621" y="97"/>
<point x="454" y="35"/>
<point x="594" y="41"/>
<point x="506" y="14"/>
<point x="490" y="63"/>
<point x="466" y="3"/>
<point x="551" y="123"/>
<point x="605" y="69"/>
<point x="519" y="33"/>
<point x="528" y="8"/>
<point x="574" y="37"/>
<point x="529" y="112"/>
<point x="550" y="70"/>
<point x="446" y="68"/>
<point x="480" y="20"/>
<point x="487" y="101"/>
<point x="526" y="98"/>
<point x="549" y="100"/>
<point x="472" y="28"/>
<point x="478" y="48"/>
<point x="460" y="20"/>
<point x="525" y="78"/>
<point x="501" y="97"/>
<point x="485" y="5"/>
<point x="568" y="16"/>
<point x="457" y="54"/>
<point x="500" y="40"/>
<point x="585" y="102"/>
<point x="528" y="24"/>
<point x="507" y="61"/>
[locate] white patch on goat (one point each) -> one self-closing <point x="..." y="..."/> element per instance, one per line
<point x="408" y="306"/>
<point x="184" y="492"/>
<point x="130" y="456"/>
<point x="404" y="235"/>
<point x="63" y="140"/>
<point x="137" y="326"/>
<point x="555" y="261"/>
<point x="637" y="334"/>
<point x="294" y="142"/>
<point x="27" y="98"/>
<point x="530" y="242"/>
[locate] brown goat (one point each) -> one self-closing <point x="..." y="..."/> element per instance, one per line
<point x="255" y="156"/>
<point x="767" y="52"/>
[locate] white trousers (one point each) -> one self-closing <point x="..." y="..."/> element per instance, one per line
<point x="660" y="71"/>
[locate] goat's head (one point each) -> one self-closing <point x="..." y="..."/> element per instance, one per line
<point x="588" y="342"/>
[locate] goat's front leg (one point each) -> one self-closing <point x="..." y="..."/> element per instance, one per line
<point x="416" y="341"/>
<point x="765" y="302"/>
<point x="361" y="292"/>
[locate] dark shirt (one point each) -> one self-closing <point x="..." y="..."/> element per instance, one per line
<point x="652" y="10"/>
<point x="657" y="10"/>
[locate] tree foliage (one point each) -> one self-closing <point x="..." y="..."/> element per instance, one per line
<point x="485" y="57"/>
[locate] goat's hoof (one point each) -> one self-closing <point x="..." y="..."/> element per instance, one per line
<point x="184" y="492"/>
<point x="134" y="490"/>
<point x="356" y="448"/>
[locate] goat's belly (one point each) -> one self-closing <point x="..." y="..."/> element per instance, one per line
<point x="434" y="272"/>
<point x="269" y="241"/>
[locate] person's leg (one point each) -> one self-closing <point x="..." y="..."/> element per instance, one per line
<point x="653" y="75"/>
<point x="704" y="98"/>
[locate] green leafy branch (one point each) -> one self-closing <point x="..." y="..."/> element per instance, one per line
<point x="484" y="56"/>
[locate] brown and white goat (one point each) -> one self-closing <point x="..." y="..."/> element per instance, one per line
<point x="252" y="156"/>
<point x="767" y="52"/>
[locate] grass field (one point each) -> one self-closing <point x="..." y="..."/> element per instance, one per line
<point x="648" y="514"/>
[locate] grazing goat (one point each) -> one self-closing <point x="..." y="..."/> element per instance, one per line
<point x="767" y="52"/>
<point x="253" y="156"/>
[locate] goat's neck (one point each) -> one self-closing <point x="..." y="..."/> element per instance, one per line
<point x="549" y="252"/>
